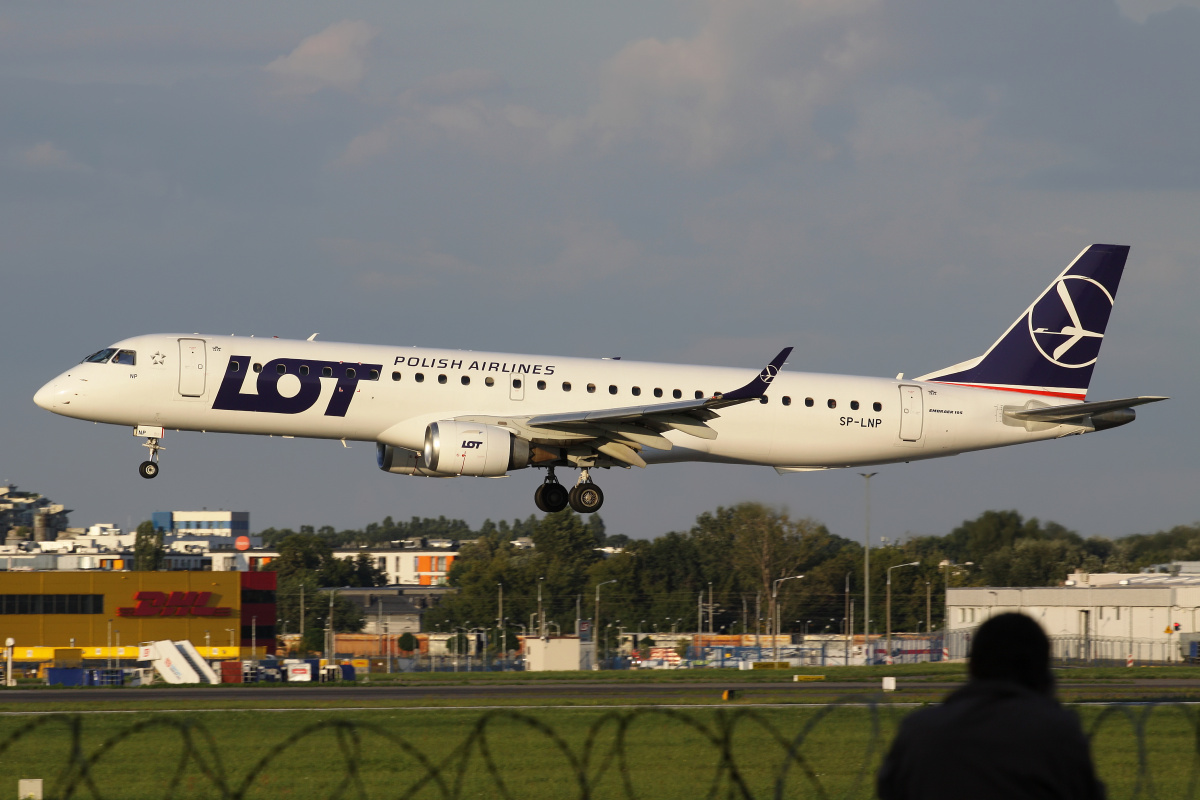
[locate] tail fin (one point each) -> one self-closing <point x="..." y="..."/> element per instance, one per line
<point x="1052" y="347"/>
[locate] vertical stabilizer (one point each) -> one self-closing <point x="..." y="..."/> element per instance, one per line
<point x="1052" y="347"/>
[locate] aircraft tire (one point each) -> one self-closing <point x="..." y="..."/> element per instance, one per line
<point x="586" y="498"/>
<point x="148" y="469"/>
<point x="537" y="498"/>
<point x="553" y="496"/>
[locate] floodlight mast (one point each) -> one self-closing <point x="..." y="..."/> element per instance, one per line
<point x="867" y="570"/>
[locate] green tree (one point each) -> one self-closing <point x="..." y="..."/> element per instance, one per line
<point x="149" y="554"/>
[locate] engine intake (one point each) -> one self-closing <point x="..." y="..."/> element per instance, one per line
<point x="471" y="448"/>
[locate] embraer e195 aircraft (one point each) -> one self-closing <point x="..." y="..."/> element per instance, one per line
<point x="445" y="413"/>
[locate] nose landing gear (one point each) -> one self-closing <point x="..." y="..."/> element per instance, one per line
<point x="149" y="468"/>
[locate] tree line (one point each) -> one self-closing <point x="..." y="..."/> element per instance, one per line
<point x="723" y="574"/>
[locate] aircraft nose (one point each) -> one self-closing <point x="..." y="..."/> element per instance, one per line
<point x="52" y="396"/>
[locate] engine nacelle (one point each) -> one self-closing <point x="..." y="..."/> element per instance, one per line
<point x="471" y="448"/>
<point x="400" y="461"/>
<point x="1113" y="419"/>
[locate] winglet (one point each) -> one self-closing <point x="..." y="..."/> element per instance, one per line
<point x="757" y="387"/>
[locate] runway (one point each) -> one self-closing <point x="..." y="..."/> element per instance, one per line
<point x="601" y="693"/>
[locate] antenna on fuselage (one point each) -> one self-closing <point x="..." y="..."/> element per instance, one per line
<point x="313" y="338"/>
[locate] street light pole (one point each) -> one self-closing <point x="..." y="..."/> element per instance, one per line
<point x="775" y="604"/>
<point x="889" y="604"/>
<point x="541" y="617"/>
<point x="500" y="619"/>
<point x="867" y="566"/>
<point x="596" y="621"/>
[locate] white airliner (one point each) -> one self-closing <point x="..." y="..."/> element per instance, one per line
<point x="445" y="413"/>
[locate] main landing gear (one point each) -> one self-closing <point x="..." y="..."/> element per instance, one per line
<point x="585" y="497"/>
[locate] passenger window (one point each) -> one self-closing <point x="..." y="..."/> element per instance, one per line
<point x="612" y="390"/>
<point x="676" y="394"/>
<point x="516" y="383"/>
<point x="637" y="390"/>
<point x="441" y="378"/>
<point x="326" y="372"/>
<point x="234" y="366"/>
<point x="419" y="377"/>
<point x="877" y="406"/>
<point x="489" y="381"/>
<point x="258" y="368"/>
<point x="808" y="401"/>
<point x="126" y="357"/>
<point x="541" y="384"/>
<point x="373" y="375"/>
<point x="566" y="386"/>
<point x="854" y="405"/>
<point x="395" y="376"/>
<point x="658" y="392"/>
<point x="763" y="399"/>
<point x="591" y="388"/>
<point x="304" y="369"/>
<point x="281" y="369"/>
<point x="466" y="380"/>
<point x="787" y="401"/>
<point x="350" y="373"/>
<point x="831" y="403"/>
<point x="699" y="395"/>
<point x="100" y="357"/>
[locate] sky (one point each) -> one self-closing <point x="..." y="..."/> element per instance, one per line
<point x="883" y="185"/>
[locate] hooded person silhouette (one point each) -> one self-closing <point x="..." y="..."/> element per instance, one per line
<point x="1002" y="735"/>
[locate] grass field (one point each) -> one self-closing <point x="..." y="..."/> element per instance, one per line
<point x="1143" y="751"/>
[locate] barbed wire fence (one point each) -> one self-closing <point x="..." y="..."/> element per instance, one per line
<point x="608" y="762"/>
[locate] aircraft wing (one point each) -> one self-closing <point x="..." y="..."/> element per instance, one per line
<point x="1077" y="411"/>
<point x="620" y="433"/>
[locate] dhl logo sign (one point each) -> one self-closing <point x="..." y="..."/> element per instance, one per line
<point x="175" y="604"/>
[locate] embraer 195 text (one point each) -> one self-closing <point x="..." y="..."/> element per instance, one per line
<point x="445" y="413"/>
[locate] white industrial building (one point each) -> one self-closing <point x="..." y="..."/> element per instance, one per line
<point x="1151" y="617"/>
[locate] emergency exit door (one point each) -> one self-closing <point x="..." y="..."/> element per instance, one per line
<point x="191" y="367"/>
<point x="911" y="416"/>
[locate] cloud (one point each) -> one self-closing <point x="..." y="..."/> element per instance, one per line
<point x="336" y="57"/>
<point x="47" y="156"/>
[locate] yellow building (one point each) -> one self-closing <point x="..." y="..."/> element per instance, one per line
<point x="107" y="614"/>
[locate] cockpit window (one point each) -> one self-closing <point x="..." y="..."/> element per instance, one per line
<point x="125" y="357"/>
<point x="100" y="357"/>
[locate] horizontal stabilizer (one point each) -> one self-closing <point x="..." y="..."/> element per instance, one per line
<point x="1076" y="411"/>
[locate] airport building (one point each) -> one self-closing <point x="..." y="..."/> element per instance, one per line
<point x="107" y="614"/>
<point x="202" y="523"/>
<point x="1151" y="616"/>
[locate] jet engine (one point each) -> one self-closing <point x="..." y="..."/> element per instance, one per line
<point x="471" y="448"/>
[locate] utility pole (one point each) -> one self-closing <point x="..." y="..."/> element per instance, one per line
<point x="541" y="617"/>
<point x="332" y="645"/>
<point x="302" y="617"/>
<point x="500" y="619"/>
<point x="867" y="569"/>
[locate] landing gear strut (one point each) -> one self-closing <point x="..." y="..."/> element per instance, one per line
<point x="149" y="469"/>
<point x="586" y="497"/>
<point x="550" y="496"/>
